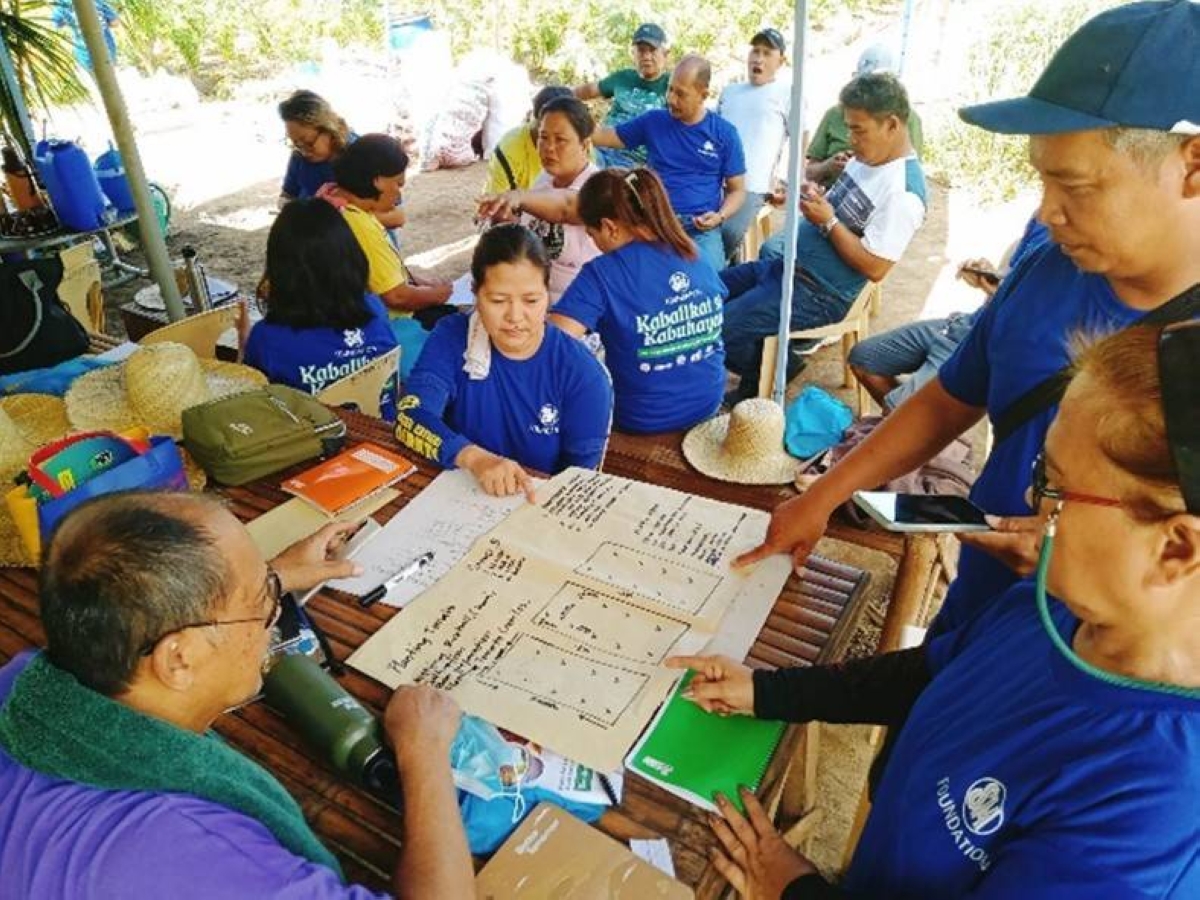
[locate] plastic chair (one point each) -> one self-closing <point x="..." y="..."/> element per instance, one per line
<point x="363" y="388"/>
<point x="200" y="332"/>
<point x="760" y="229"/>
<point x="851" y="329"/>
<point x="80" y="287"/>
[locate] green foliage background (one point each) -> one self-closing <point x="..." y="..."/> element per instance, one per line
<point x="1015" y="42"/>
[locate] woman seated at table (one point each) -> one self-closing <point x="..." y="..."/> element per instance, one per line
<point x="655" y="303"/>
<point x="499" y="390"/>
<point x="318" y="135"/>
<point x="564" y="146"/>
<point x="320" y="324"/>
<point x="1051" y="746"/>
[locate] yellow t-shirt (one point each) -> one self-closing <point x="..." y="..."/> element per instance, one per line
<point x="521" y="152"/>
<point x="385" y="268"/>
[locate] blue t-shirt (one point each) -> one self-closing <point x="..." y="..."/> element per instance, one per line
<point x="693" y="161"/>
<point x="659" y="316"/>
<point x="303" y="178"/>
<point x="547" y="412"/>
<point x="311" y="359"/>
<point x="1019" y="339"/>
<point x="1018" y="775"/>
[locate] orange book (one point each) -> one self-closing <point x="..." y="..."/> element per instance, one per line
<point x="351" y="476"/>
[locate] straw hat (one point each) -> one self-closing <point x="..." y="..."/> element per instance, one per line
<point x="745" y="446"/>
<point x="15" y="449"/>
<point x="153" y="387"/>
<point x="40" y="418"/>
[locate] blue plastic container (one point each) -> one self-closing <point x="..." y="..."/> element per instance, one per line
<point x="110" y="172"/>
<point x="403" y="32"/>
<point x="74" y="191"/>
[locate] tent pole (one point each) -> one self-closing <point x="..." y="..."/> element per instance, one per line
<point x="153" y="244"/>
<point x="795" y="176"/>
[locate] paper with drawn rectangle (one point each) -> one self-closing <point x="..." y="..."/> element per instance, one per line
<point x="445" y="519"/>
<point x="555" y="623"/>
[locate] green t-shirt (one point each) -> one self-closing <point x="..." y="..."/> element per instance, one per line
<point x="831" y="136"/>
<point x="631" y="95"/>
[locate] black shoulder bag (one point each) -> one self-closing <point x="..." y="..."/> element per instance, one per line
<point x="36" y="328"/>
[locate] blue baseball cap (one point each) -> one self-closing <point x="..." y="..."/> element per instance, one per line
<point x="649" y="33"/>
<point x="771" y="37"/>
<point x="1135" y="66"/>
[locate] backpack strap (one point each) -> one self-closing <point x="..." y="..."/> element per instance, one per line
<point x="508" y="172"/>
<point x="1050" y="390"/>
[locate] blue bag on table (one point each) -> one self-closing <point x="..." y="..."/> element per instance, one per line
<point x="816" y="421"/>
<point x="67" y="473"/>
<point x="493" y="799"/>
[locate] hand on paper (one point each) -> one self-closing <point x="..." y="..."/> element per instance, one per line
<point x="756" y="861"/>
<point x="720" y="684"/>
<point x="795" y="528"/>
<point x="498" y="476"/>
<point x="421" y="723"/>
<point x="313" y="560"/>
<point x="1015" y="540"/>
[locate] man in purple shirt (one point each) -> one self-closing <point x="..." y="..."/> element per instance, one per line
<point x="157" y="610"/>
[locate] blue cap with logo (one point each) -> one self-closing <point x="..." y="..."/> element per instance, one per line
<point x="649" y="33"/>
<point x="1135" y="66"/>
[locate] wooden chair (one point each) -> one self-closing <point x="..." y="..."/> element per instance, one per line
<point x="80" y="287"/>
<point x="200" y="332"/>
<point x="760" y="229"/>
<point x="362" y="388"/>
<point x="853" y="328"/>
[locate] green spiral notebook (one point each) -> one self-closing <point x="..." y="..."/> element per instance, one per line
<point x="695" y="754"/>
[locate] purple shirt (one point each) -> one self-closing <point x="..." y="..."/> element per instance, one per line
<point x="63" y="839"/>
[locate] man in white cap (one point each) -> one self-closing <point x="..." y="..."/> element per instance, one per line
<point x="1114" y="133"/>
<point x="829" y="149"/>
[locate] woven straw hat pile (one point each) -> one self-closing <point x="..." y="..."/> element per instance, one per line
<point x="744" y="446"/>
<point x="151" y="388"/>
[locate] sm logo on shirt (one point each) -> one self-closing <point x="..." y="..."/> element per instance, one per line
<point x="980" y="814"/>
<point x="709" y="149"/>
<point x="547" y="420"/>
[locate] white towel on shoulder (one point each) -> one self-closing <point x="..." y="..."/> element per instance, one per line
<point x="477" y="358"/>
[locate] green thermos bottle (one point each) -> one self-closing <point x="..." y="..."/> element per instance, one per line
<point x="333" y="722"/>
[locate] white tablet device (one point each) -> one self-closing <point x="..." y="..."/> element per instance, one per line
<point x="921" y="512"/>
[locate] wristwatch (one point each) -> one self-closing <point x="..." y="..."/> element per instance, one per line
<point x="827" y="227"/>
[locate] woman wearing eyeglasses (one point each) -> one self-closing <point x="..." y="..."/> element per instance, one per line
<point x="1051" y="746"/>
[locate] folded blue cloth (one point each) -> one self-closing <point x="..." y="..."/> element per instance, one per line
<point x="54" y="380"/>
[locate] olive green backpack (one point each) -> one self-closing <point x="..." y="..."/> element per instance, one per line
<point x="247" y="436"/>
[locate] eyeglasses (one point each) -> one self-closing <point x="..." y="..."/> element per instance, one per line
<point x="1039" y="487"/>
<point x="306" y="146"/>
<point x="272" y="587"/>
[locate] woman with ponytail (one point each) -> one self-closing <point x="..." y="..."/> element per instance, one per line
<point x="656" y="305"/>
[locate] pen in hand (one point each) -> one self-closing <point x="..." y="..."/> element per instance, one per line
<point x="408" y="571"/>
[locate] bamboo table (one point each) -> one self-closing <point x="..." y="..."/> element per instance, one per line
<point x="810" y="623"/>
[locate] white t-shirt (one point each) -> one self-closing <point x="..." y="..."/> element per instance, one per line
<point x="760" y="115"/>
<point x="884" y="204"/>
<point x="568" y="246"/>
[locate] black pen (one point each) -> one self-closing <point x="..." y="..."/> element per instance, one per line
<point x="608" y="789"/>
<point x="411" y="569"/>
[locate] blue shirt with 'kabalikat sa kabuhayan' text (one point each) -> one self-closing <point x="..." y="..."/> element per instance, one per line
<point x="659" y="316"/>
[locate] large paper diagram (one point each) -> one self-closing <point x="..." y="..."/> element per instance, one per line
<point x="555" y="623"/>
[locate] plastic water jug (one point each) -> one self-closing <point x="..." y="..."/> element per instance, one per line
<point x="110" y="172"/>
<point x="74" y="191"/>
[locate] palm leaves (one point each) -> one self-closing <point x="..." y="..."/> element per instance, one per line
<point x="43" y="57"/>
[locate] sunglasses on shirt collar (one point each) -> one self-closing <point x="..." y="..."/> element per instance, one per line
<point x="1179" y="374"/>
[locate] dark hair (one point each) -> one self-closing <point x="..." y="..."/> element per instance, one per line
<point x="118" y="573"/>
<point x="316" y="269"/>
<point x="697" y="68"/>
<point x="576" y="112"/>
<point x="880" y="94"/>
<point x="508" y="243"/>
<point x="548" y="93"/>
<point x="312" y="109"/>
<point x="371" y="156"/>
<point x="635" y="198"/>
